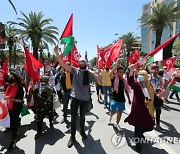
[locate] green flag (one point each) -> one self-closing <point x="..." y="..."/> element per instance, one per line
<point x="24" y="111"/>
<point x="69" y="41"/>
<point x="150" y="61"/>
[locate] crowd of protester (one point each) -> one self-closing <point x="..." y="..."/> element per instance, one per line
<point x="72" y="88"/>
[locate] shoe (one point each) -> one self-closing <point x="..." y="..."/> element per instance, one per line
<point x="118" y="128"/>
<point x="7" y="130"/>
<point x="105" y="106"/>
<point x="160" y="129"/>
<point x="12" y="145"/>
<point x="83" y="135"/>
<point x="71" y="142"/>
<point x="37" y="135"/>
<point x="109" y="122"/>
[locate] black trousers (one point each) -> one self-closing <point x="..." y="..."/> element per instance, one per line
<point x="158" y="115"/>
<point x="40" y="121"/>
<point x="15" y="120"/>
<point x="75" y="104"/>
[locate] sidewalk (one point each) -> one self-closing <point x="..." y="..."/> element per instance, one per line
<point x="101" y="137"/>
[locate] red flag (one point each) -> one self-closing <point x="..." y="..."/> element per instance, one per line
<point x="169" y="63"/>
<point x="134" y="57"/>
<point x="32" y="66"/>
<point x="68" y="31"/>
<point x="75" y="56"/>
<point x="114" y="52"/>
<point x="99" y="59"/>
<point x="67" y="58"/>
<point x="106" y="53"/>
<point x="3" y="72"/>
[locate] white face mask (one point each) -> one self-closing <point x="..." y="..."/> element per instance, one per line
<point x="141" y="77"/>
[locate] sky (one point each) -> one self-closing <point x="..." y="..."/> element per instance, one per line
<point x="95" y="21"/>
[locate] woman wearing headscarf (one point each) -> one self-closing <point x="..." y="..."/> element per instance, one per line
<point x="14" y="96"/>
<point x="142" y="110"/>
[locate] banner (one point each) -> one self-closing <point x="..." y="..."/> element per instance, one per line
<point x="4" y="114"/>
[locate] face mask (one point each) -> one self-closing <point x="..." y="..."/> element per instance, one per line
<point x="141" y="77"/>
<point x="10" y="80"/>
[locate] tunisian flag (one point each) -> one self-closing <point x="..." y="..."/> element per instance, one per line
<point x="99" y="59"/>
<point x="134" y="57"/>
<point x="4" y="114"/>
<point x="32" y="66"/>
<point x="106" y="53"/>
<point x="75" y="56"/>
<point x="3" y="72"/>
<point x="114" y="52"/>
<point x="169" y="63"/>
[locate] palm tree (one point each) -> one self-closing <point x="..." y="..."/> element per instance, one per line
<point x="12" y="6"/>
<point x="35" y="28"/>
<point x="130" y="40"/>
<point x="163" y="15"/>
<point x="11" y="39"/>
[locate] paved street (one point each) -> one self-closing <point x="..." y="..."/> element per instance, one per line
<point x="101" y="137"/>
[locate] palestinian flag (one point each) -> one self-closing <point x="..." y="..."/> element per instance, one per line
<point x="163" y="52"/>
<point x="67" y="38"/>
<point x="175" y="84"/>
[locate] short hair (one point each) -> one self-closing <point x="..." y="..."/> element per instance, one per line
<point x="120" y="68"/>
<point x="155" y="67"/>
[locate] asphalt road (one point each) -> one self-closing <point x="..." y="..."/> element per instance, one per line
<point x="101" y="137"/>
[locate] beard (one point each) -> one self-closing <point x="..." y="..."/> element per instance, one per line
<point x="82" y="67"/>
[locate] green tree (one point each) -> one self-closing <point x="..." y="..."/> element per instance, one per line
<point x="37" y="29"/>
<point x="130" y="40"/>
<point x="93" y="61"/>
<point x="11" y="39"/>
<point x="163" y="15"/>
<point x="12" y="6"/>
<point x="176" y="47"/>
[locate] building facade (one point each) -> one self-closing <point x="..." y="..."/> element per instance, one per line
<point x="148" y="36"/>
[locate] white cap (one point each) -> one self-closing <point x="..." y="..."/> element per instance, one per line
<point x="82" y="59"/>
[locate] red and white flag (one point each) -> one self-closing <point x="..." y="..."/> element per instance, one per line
<point x="3" y="72"/>
<point x="111" y="52"/>
<point x="4" y="114"/>
<point x="32" y="66"/>
<point x="134" y="57"/>
<point x="75" y="56"/>
<point x="99" y="59"/>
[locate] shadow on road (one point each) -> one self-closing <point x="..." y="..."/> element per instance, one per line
<point x="172" y="132"/>
<point x="147" y="148"/>
<point x="90" y="145"/>
<point x="168" y="108"/>
<point x="51" y="136"/>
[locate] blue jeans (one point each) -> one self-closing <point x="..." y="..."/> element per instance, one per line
<point x="106" y="91"/>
